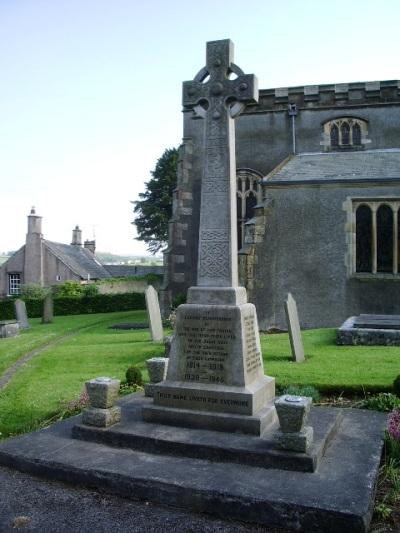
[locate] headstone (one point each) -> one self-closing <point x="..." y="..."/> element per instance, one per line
<point x="292" y="319"/>
<point x="9" y="328"/>
<point x="293" y="412"/>
<point x="20" y="313"/>
<point x="102" y="412"/>
<point x="215" y="376"/>
<point x="48" y="309"/>
<point x="153" y="310"/>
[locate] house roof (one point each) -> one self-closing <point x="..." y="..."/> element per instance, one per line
<point x="337" y="167"/>
<point x="78" y="259"/>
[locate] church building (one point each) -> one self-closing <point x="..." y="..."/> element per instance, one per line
<point x="318" y="198"/>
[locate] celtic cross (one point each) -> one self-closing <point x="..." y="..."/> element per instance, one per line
<point x="218" y="99"/>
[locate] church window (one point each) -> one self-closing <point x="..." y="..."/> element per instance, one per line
<point x="356" y="134"/>
<point x="345" y="131"/>
<point x="334" y="135"/>
<point x="14" y="284"/>
<point x="377" y="230"/>
<point x="384" y="239"/>
<point x="345" y="134"/>
<point x="363" y="239"/>
<point x="248" y="196"/>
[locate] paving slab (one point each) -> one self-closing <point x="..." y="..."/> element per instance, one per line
<point x="337" y="497"/>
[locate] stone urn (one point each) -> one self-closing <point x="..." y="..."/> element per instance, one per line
<point x="102" y="392"/>
<point x="292" y="412"/>
<point x="157" y="368"/>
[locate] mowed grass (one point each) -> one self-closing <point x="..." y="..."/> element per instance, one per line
<point x="328" y="367"/>
<point x="41" y="388"/>
<point x="12" y="348"/>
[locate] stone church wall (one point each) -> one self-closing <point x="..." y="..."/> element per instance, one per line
<point x="305" y="251"/>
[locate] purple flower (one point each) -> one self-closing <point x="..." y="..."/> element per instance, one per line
<point x="394" y="424"/>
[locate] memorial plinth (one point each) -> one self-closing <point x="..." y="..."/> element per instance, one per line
<point x="215" y="376"/>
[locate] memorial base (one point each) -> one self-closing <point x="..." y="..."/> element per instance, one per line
<point x="256" y="424"/>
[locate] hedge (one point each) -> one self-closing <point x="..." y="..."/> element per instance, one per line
<point x="100" y="303"/>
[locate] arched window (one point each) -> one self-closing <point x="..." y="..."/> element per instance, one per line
<point x="334" y="135"/>
<point x="384" y="239"/>
<point x="345" y="132"/>
<point x="251" y="202"/>
<point x="356" y="134"/>
<point x="377" y="236"/>
<point x="248" y="196"/>
<point x="363" y="239"/>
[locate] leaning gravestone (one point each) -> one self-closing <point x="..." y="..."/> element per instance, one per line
<point x="48" y="309"/>
<point x="292" y="319"/>
<point x="21" y="314"/>
<point x="153" y="310"/>
<point x="215" y="376"/>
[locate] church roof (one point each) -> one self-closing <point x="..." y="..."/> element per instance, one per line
<point x="78" y="259"/>
<point x="337" y="167"/>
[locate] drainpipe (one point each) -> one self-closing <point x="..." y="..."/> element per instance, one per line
<point x="292" y="110"/>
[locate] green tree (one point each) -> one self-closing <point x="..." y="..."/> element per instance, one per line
<point x="154" y="209"/>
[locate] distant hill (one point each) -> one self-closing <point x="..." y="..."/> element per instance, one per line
<point x="109" y="258"/>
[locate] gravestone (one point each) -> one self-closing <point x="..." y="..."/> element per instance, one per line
<point x="21" y="314"/>
<point x="9" y="328"/>
<point x="153" y="311"/>
<point x="215" y="376"/>
<point x="48" y="309"/>
<point x="292" y="319"/>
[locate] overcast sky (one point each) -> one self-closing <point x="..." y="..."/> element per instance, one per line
<point x="90" y="92"/>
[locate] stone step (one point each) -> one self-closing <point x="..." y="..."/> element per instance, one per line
<point x="338" y="496"/>
<point x="132" y="432"/>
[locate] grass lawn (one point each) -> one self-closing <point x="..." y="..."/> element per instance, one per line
<point x="328" y="367"/>
<point x="12" y="348"/>
<point x="41" y="388"/>
<point x="47" y="381"/>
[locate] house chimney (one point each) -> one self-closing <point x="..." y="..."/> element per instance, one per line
<point x="34" y="223"/>
<point x="91" y="246"/>
<point x="77" y="236"/>
<point x="33" y="255"/>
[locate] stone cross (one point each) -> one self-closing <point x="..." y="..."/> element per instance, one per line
<point x="219" y="99"/>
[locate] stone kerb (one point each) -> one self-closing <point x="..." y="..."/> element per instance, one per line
<point x="102" y="392"/>
<point x="9" y="328"/>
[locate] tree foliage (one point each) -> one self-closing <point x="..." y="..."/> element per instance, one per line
<point x="154" y="209"/>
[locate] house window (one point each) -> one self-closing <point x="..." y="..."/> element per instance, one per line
<point x="345" y="134"/>
<point x="14" y="284"/>
<point x="248" y="196"/>
<point x="377" y="236"/>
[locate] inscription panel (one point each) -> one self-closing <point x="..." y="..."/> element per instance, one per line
<point x="252" y="348"/>
<point x="206" y="345"/>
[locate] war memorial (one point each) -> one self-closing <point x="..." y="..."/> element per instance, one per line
<point x="213" y="437"/>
